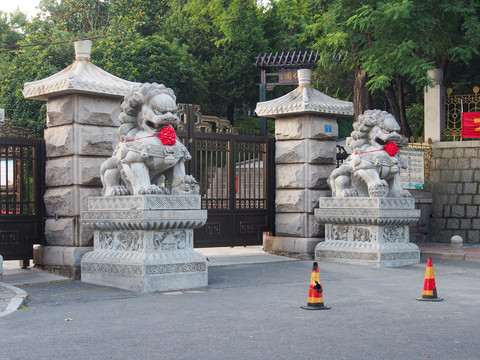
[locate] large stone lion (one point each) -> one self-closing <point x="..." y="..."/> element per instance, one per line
<point x="373" y="167"/>
<point x="148" y="159"/>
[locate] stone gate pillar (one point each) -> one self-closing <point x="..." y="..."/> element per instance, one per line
<point x="305" y="154"/>
<point x="83" y="103"/>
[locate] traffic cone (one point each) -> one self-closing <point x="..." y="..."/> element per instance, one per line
<point x="315" y="295"/>
<point x="429" y="288"/>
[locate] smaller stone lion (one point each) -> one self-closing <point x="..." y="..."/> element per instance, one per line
<point x="148" y="159"/>
<point x="373" y="167"/>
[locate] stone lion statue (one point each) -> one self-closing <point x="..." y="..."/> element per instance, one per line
<point x="148" y="159"/>
<point x="373" y="167"/>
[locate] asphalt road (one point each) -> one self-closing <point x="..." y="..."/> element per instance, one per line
<point x="253" y="312"/>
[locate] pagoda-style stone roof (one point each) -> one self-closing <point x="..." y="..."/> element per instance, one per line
<point x="80" y="77"/>
<point x="304" y="99"/>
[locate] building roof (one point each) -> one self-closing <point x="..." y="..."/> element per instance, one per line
<point x="80" y="77"/>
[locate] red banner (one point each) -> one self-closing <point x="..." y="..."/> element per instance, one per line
<point x="471" y="125"/>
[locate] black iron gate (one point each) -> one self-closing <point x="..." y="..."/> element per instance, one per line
<point x="236" y="174"/>
<point x="22" y="162"/>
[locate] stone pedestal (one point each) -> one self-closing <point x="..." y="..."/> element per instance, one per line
<point x="145" y="243"/>
<point x="368" y="231"/>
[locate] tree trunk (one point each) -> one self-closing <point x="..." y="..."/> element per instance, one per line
<point x="230" y="113"/>
<point x="362" y="99"/>
<point x="397" y="106"/>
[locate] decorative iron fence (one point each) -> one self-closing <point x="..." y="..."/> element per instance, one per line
<point x="455" y="105"/>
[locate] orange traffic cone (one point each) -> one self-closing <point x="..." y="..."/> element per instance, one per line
<point x="429" y="288"/>
<point x="315" y="295"/>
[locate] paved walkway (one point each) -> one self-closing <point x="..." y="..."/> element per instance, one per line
<point x="12" y="297"/>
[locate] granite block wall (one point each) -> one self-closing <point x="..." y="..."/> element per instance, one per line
<point x="455" y="185"/>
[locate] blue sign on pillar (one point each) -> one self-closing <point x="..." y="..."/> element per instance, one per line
<point x="328" y="128"/>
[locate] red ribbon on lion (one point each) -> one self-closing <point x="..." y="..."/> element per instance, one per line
<point x="391" y="149"/>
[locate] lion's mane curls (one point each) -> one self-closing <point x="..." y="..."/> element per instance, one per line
<point x="132" y="106"/>
<point x="358" y="140"/>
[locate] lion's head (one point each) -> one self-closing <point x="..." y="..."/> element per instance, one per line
<point x="148" y="107"/>
<point x="375" y="128"/>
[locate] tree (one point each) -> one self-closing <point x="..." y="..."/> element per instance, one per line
<point x="151" y="58"/>
<point x="132" y="55"/>
<point x="77" y="16"/>
<point x="11" y="27"/>
<point x="392" y="43"/>
<point x="225" y="36"/>
<point x="286" y="22"/>
<point x="146" y="16"/>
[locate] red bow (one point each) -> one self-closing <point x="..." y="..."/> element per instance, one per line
<point x="167" y="136"/>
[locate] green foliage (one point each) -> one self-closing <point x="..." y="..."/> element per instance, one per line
<point x="345" y="127"/>
<point x="147" y="16"/>
<point x="249" y="125"/>
<point x="151" y="59"/>
<point x="78" y="16"/>
<point x="334" y="80"/>
<point x="225" y="36"/>
<point x="286" y="22"/>
<point x="415" y="116"/>
<point x="30" y="63"/>
<point x="11" y="26"/>
<point x="204" y="49"/>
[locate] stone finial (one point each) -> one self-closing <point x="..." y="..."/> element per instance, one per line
<point x="83" y="49"/>
<point x="304" y="77"/>
<point x="456" y="243"/>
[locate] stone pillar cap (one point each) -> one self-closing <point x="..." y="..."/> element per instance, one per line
<point x="80" y="77"/>
<point x="304" y="99"/>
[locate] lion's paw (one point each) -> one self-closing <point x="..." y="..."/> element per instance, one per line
<point x="146" y="190"/>
<point x="379" y="189"/>
<point x="349" y="193"/>
<point x="406" y="193"/>
<point x="117" y="190"/>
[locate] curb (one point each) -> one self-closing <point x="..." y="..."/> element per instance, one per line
<point x="15" y="302"/>
<point x="450" y="255"/>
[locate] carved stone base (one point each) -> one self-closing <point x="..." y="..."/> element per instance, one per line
<point x="368" y="231"/>
<point x="145" y="243"/>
